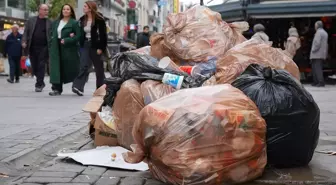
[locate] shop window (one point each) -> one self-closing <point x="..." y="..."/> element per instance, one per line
<point x="19" y="4"/>
<point x="2" y="3"/>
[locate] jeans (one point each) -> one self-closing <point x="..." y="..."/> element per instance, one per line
<point x="88" y="57"/>
<point x="39" y="58"/>
<point x="14" y="67"/>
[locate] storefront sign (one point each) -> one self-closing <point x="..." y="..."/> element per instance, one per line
<point x="162" y="3"/>
<point x="120" y="2"/>
<point x="176" y="6"/>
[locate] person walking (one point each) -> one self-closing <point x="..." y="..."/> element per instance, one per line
<point x="64" y="50"/>
<point x="143" y="38"/>
<point x="259" y="34"/>
<point x="293" y="42"/>
<point x="35" y="42"/>
<point x="318" y="54"/>
<point x="14" y="52"/>
<point x="93" y="40"/>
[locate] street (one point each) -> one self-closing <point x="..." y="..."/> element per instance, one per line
<point x="35" y="126"/>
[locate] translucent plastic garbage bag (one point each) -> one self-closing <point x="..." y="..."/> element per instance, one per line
<point x="205" y="135"/>
<point x="198" y="33"/>
<point x="126" y="108"/>
<point x="237" y="59"/>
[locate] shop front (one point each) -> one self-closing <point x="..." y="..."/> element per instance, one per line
<point x="279" y="15"/>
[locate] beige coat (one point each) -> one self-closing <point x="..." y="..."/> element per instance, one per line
<point x="292" y="45"/>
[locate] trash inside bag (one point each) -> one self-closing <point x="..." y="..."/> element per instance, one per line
<point x="127" y="106"/>
<point x="198" y="32"/>
<point x="159" y="49"/>
<point x="106" y="116"/>
<point x="290" y="112"/>
<point x="154" y="90"/>
<point x="125" y="66"/>
<point x="205" y="135"/>
<point x="237" y="59"/>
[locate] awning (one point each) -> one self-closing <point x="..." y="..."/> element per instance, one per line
<point x="292" y="9"/>
<point x="118" y="7"/>
<point x="230" y="11"/>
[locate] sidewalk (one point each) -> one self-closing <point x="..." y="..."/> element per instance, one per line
<point x="322" y="170"/>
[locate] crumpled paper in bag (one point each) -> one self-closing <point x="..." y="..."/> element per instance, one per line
<point x="206" y="135"/>
<point x="198" y="33"/>
<point x="237" y="59"/>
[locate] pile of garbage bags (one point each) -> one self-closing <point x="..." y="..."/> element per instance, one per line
<point x="203" y="105"/>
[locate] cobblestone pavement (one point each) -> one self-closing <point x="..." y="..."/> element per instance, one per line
<point x="30" y="120"/>
<point x="67" y="172"/>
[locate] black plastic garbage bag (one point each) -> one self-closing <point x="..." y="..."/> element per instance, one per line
<point x="290" y="112"/>
<point x="125" y="66"/>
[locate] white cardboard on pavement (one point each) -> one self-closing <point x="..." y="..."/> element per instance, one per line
<point x="101" y="156"/>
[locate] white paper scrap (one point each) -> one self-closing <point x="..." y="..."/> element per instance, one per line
<point x="101" y="156"/>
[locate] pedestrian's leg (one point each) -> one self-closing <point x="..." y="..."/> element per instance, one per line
<point x="42" y="58"/>
<point x="11" y="69"/>
<point x="313" y="65"/>
<point x="319" y="72"/>
<point x="85" y="64"/>
<point x="57" y="89"/>
<point x="34" y="63"/>
<point x="98" y="64"/>
<point x="17" y="69"/>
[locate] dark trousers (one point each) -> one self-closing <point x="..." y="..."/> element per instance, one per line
<point x="317" y="69"/>
<point x="14" y="67"/>
<point x="39" y="58"/>
<point x="89" y="56"/>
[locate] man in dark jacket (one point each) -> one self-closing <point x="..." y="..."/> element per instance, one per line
<point x="35" y="41"/>
<point x="143" y="38"/>
<point x="14" y="52"/>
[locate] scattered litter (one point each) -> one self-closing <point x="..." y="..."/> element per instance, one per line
<point x="101" y="156"/>
<point x="327" y="152"/>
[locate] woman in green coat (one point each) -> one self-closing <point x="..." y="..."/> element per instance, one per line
<point x="64" y="50"/>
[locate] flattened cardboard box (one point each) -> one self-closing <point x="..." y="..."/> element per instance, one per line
<point x="104" y="135"/>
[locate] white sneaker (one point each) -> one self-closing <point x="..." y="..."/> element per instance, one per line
<point x="333" y="77"/>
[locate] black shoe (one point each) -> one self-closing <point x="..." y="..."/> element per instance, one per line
<point x="320" y="85"/>
<point x="55" y="93"/>
<point x="17" y="81"/>
<point x="39" y="89"/>
<point x="10" y="81"/>
<point x="77" y="91"/>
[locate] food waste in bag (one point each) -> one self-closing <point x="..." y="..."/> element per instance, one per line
<point x="205" y="135"/>
<point x="126" y="108"/>
<point x="154" y="90"/>
<point x="290" y="112"/>
<point x="237" y="59"/>
<point x="198" y="33"/>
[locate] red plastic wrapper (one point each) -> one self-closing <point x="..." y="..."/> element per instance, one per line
<point x="237" y="59"/>
<point x="154" y="90"/>
<point x="206" y="135"/>
<point x="126" y="108"/>
<point x="198" y="33"/>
